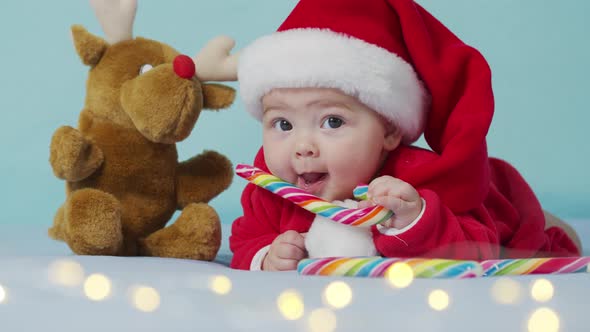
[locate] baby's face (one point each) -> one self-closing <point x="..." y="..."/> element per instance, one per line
<point x="323" y="140"/>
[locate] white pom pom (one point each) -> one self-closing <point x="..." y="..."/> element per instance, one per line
<point x="327" y="238"/>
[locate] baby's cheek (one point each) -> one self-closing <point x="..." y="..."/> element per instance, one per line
<point x="278" y="164"/>
<point x="280" y="169"/>
<point x="356" y="170"/>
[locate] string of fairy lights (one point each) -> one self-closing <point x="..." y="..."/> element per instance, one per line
<point x="290" y="303"/>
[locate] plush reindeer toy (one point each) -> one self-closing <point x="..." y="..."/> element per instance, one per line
<point x="120" y="164"/>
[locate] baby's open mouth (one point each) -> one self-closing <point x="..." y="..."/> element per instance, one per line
<point x="309" y="181"/>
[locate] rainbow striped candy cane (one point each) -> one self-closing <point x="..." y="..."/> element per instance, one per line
<point x="442" y="268"/>
<point x="354" y="217"/>
<point x="376" y="267"/>
<point x="543" y="265"/>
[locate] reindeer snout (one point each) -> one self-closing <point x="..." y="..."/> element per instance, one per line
<point x="184" y="66"/>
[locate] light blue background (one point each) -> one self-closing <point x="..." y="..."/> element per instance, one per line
<point x="538" y="51"/>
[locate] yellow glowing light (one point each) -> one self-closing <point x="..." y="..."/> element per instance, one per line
<point x="400" y="275"/>
<point x="220" y="285"/>
<point x="146" y="299"/>
<point x="338" y="294"/>
<point x="97" y="287"/>
<point x="438" y="299"/>
<point x="544" y="320"/>
<point x="66" y="273"/>
<point x="506" y="291"/>
<point x="290" y="304"/>
<point x="322" y="320"/>
<point x="2" y="294"/>
<point x="542" y="290"/>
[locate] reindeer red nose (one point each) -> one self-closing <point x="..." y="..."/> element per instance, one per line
<point x="184" y="66"/>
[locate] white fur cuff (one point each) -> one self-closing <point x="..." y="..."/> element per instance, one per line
<point x="256" y="264"/>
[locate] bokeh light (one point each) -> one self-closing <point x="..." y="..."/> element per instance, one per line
<point x="2" y="294"/>
<point x="337" y="294"/>
<point x="97" y="287"/>
<point x="146" y="299"/>
<point x="322" y="320"/>
<point x="290" y="304"/>
<point x="542" y="290"/>
<point x="543" y="320"/>
<point x="506" y="291"/>
<point x="220" y="284"/>
<point x="67" y="273"/>
<point x="400" y="275"/>
<point x="438" y="300"/>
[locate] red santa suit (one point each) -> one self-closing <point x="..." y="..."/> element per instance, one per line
<point x="396" y="58"/>
<point x="508" y="223"/>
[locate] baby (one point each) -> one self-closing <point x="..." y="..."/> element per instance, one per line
<point x="342" y="89"/>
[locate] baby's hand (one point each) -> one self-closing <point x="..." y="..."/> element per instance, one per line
<point x="285" y="252"/>
<point x="397" y="196"/>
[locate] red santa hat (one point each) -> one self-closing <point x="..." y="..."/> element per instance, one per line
<point x="351" y="45"/>
<point x="396" y="58"/>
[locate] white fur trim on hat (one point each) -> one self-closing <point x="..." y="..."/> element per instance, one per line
<point x="323" y="58"/>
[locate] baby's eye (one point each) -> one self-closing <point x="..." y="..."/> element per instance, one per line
<point x="332" y="123"/>
<point x="283" y="125"/>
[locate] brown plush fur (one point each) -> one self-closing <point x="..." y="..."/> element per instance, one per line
<point x="121" y="166"/>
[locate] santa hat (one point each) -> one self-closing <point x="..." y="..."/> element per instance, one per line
<point x="388" y="53"/>
<point x="351" y="45"/>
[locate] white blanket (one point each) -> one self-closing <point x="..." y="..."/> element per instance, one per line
<point x="182" y="295"/>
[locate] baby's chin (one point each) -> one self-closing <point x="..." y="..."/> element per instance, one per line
<point x="330" y="195"/>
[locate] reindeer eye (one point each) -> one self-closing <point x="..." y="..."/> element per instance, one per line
<point x="145" y="68"/>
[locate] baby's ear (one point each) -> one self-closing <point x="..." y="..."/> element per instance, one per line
<point x="392" y="139"/>
<point x="89" y="47"/>
<point x="217" y="96"/>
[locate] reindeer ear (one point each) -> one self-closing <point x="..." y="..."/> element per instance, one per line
<point x="217" y="96"/>
<point x="89" y="47"/>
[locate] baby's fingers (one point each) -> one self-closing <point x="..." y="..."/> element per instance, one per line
<point x="285" y="264"/>
<point x="392" y="203"/>
<point x="290" y="251"/>
<point x="293" y="238"/>
<point x="365" y="204"/>
<point x="275" y="263"/>
<point x="390" y="186"/>
<point x="397" y="205"/>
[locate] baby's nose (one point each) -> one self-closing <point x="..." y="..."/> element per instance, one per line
<point x="306" y="150"/>
<point x="184" y="66"/>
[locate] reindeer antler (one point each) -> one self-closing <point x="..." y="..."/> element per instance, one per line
<point x="214" y="63"/>
<point x="116" y="18"/>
